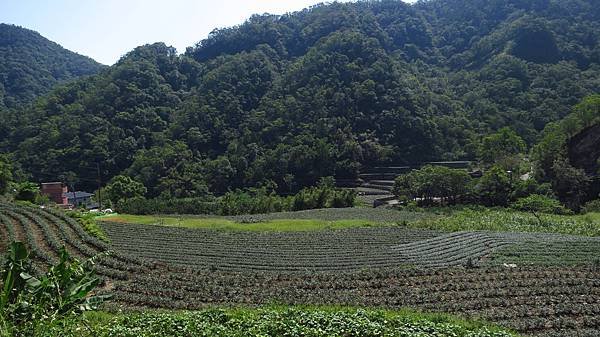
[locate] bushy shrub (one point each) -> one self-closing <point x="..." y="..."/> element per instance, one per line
<point x="252" y="201"/>
<point x="525" y="188"/>
<point x="324" y="195"/>
<point x="342" y="198"/>
<point x="592" y="206"/>
<point x="540" y="204"/>
<point x="27" y="191"/>
<point x="143" y="206"/>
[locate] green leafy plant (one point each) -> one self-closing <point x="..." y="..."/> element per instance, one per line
<point x="16" y="263"/>
<point x="317" y="322"/>
<point x="28" y="302"/>
<point x="592" y="206"/>
<point x="503" y="148"/>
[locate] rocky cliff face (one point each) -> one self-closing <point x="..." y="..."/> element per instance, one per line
<point x="584" y="150"/>
<point x="584" y="153"/>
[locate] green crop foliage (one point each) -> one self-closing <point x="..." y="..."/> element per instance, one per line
<point x="505" y="220"/>
<point x="88" y="222"/>
<point x="30" y="304"/>
<point x="279" y="321"/>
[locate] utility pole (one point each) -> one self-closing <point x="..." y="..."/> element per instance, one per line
<point x="99" y="187"/>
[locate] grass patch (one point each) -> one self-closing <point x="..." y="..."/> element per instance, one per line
<point x="249" y="224"/>
<point x="506" y="220"/>
<point x="447" y="219"/>
<point x="379" y="215"/>
<point x="590" y="217"/>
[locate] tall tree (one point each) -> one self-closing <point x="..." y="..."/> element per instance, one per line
<point x="6" y="175"/>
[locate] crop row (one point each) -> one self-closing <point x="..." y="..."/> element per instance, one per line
<point x="322" y="251"/>
<point x="318" y="239"/>
<point x="46" y="235"/>
<point x="38" y="245"/>
<point x="382" y="247"/>
<point x="515" y="297"/>
<point x="550" y="253"/>
<point x="8" y="227"/>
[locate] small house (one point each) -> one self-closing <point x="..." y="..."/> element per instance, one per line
<point x="79" y="199"/>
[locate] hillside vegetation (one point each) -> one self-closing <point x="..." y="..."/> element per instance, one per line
<point x="31" y="65"/>
<point x="280" y="101"/>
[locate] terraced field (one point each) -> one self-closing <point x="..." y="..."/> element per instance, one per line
<point x="461" y="273"/>
<point x="339" y="250"/>
<point x="345" y="250"/>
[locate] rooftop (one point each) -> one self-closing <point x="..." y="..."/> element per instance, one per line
<point x="78" y="194"/>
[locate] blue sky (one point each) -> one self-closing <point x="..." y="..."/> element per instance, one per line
<point x="107" y="29"/>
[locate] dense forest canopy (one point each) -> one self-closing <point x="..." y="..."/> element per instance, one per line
<point x="280" y="101"/>
<point x="30" y="65"/>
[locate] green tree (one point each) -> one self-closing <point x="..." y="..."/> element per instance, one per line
<point x="549" y="149"/>
<point x="457" y="184"/>
<point x="316" y="93"/>
<point x="504" y="148"/>
<point x="527" y="187"/>
<point x="173" y="171"/>
<point x="27" y="191"/>
<point x="6" y="176"/>
<point x="588" y="110"/>
<point x="124" y="187"/>
<point x="569" y="183"/>
<point x="494" y="187"/>
<point x="431" y="182"/>
<point x="402" y="187"/>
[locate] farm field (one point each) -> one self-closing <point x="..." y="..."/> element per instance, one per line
<point x="386" y="266"/>
<point x="343" y="249"/>
<point x="315" y="219"/>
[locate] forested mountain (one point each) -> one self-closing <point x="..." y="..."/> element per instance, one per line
<point x="30" y="65"/>
<point x="280" y="101"/>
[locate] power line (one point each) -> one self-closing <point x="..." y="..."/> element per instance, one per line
<point x="99" y="187"/>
